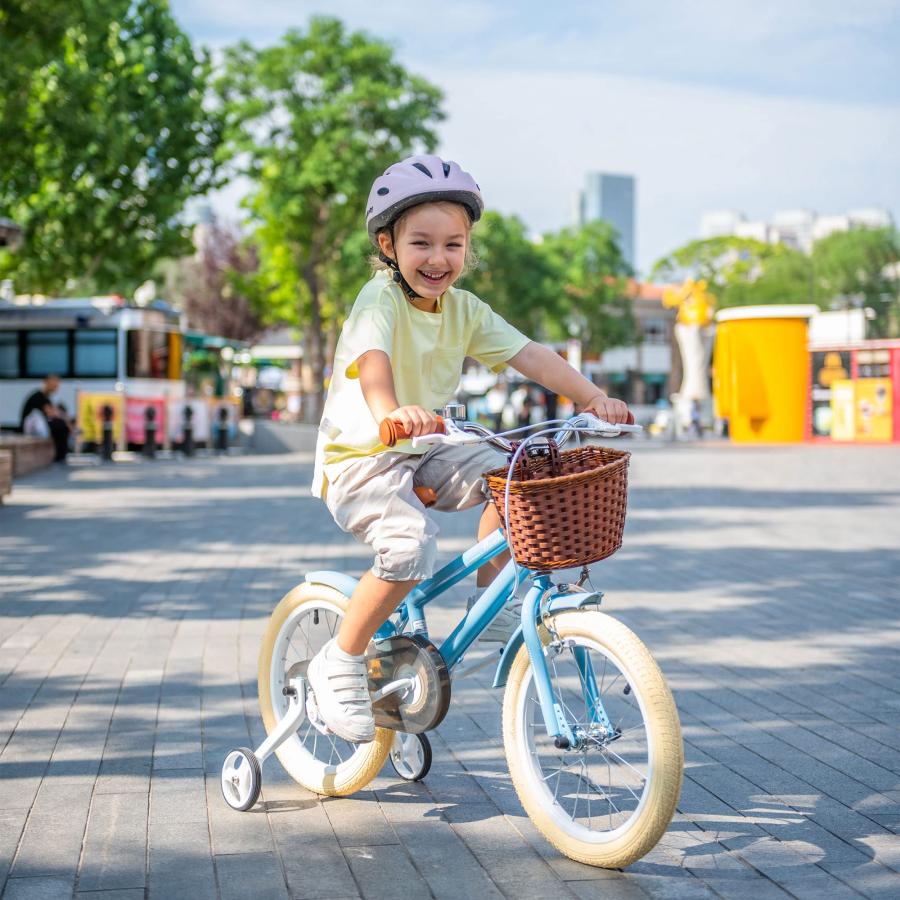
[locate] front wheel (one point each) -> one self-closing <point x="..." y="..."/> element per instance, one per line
<point x="608" y="801"/>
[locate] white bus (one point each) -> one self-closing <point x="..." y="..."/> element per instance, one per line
<point x="93" y="344"/>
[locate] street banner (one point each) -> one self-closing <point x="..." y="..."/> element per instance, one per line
<point x="843" y="410"/>
<point x="874" y="411"/>
<point x="89" y="417"/>
<point x="232" y="406"/>
<point x="199" y="420"/>
<point x="136" y="418"/>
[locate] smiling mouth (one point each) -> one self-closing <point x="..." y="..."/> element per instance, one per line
<point x="433" y="277"/>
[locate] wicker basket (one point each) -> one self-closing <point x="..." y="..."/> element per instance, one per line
<point x="565" y="509"/>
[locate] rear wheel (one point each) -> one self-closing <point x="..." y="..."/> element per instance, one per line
<point x="305" y="619"/>
<point x="608" y="801"/>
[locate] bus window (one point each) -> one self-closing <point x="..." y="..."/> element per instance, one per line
<point x="9" y="354"/>
<point x="46" y="353"/>
<point x="148" y="354"/>
<point x="95" y="354"/>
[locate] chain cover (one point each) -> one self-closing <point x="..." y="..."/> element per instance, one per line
<point x="420" y="708"/>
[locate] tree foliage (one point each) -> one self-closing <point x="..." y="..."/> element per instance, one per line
<point x="861" y="267"/>
<point x="591" y="275"/>
<point x="741" y="271"/>
<point x="852" y="268"/>
<point x="105" y="136"/>
<point x="216" y="286"/>
<point x="313" y="120"/>
<point x="514" y="275"/>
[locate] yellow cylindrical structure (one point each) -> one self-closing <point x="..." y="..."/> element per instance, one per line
<point x="761" y="372"/>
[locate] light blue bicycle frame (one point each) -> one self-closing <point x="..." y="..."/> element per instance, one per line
<point x="412" y="618"/>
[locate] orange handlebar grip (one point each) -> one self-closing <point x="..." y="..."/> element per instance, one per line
<point x="389" y="431"/>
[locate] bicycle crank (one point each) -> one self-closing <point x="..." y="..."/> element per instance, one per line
<point x="409" y="682"/>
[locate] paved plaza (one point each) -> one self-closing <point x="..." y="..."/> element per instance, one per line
<point x="765" y="581"/>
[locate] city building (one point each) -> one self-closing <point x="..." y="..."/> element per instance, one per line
<point x="650" y="370"/>
<point x="610" y="197"/>
<point x="798" y="228"/>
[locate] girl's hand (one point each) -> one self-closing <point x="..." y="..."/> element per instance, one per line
<point x="613" y="411"/>
<point x="416" y="420"/>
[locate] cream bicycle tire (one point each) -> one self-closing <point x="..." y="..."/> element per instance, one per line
<point x="642" y="830"/>
<point x="327" y="778"/>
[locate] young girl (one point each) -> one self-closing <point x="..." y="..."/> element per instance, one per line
<point x="399" y="356"/>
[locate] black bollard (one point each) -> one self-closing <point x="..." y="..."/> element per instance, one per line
<point x="222" y="432"/>
<point x="187" y="444"/>
<point x="106" y="446"/>
<point x="150" y="432"/>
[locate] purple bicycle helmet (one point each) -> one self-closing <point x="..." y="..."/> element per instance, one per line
<point x="415" y="180"/>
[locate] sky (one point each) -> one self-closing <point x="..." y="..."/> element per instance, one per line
<point x="750" y="105"/>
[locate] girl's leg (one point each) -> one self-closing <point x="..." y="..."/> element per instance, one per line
<point x="372" y="602"/>
<point x="490" y="521"/>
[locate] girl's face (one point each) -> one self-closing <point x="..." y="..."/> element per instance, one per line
<point x="430" y="247"/>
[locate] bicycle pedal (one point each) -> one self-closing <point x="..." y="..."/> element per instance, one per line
<point x="312" y="713"/>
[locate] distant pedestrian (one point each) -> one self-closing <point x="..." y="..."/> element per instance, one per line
<point x="56" y="424"/>
<point x="495" y="400"/>
<point x="696" y="427"/>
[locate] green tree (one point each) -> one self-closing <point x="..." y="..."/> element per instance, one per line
<point x="741" y="271"/>
<point x="591" y="278"/>
<point x="514" y="275"/>
<point x="216" y="285"/>
<point x="861" y="266"/>
<point x="108" y="137"/>
<point x="313" y="120"/>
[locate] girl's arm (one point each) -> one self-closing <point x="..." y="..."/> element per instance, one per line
<point x="376" y="378"/>
<point x="543" y="365"/>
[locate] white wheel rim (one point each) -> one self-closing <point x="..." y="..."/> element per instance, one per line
<point x="543" y="782"/>
<point x="332" y="755"/>
<point x="238" y="777"/>
<point x="407" y="755"/>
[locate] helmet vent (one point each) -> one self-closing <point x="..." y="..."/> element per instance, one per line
<point x="382" y="191"/>
<point x="446" y="169"/>
<point x="423" y="168"/>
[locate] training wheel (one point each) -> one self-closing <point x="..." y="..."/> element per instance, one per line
<point x="411" y="756"/>
<point x="241" y="779"/>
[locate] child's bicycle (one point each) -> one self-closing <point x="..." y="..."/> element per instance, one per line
<point x="590" y="729"/>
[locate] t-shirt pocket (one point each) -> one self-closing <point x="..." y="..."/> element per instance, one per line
<point x="446" y="370"/>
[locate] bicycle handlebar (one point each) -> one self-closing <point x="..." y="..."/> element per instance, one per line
<point x="451" y="431"/>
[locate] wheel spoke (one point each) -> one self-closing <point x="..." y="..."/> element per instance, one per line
<point x="575" y="781"/>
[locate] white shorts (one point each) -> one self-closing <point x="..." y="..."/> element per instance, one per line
<point x="374" y="500"/>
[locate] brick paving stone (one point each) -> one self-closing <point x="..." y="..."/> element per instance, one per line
<point x="764" y="580"/>
<point x="42" y="888"/>
<point x="180" y="862"/>
<point x="12" y="822"/>
<point x="257" y="875"/>
<point x="115" y="843"/>
<point x="384" y="870"/>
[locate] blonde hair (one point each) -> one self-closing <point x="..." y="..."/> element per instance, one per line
<point x="471" y="260"/>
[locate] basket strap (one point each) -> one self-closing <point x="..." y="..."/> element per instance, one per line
<point x="555" y="466"/>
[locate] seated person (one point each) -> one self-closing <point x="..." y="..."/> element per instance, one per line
<point x="57" y="421"/>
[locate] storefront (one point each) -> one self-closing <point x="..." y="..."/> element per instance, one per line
<point x="855" y="392"/>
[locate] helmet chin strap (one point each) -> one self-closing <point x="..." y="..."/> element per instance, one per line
<point x="397" y="275"/>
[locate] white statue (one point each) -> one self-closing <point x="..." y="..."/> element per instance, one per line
<point x="694" y="333"/>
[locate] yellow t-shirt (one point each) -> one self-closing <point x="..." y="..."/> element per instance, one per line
<point x="426" y="352"/>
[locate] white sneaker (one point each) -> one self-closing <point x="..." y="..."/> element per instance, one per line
<point x="341" y="689"/>
<point x="504" y="624"/>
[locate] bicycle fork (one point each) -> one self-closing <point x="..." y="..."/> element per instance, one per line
<point x="555" y="721"/>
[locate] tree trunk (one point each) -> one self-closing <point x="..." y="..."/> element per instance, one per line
<point x="315" y="341"/>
